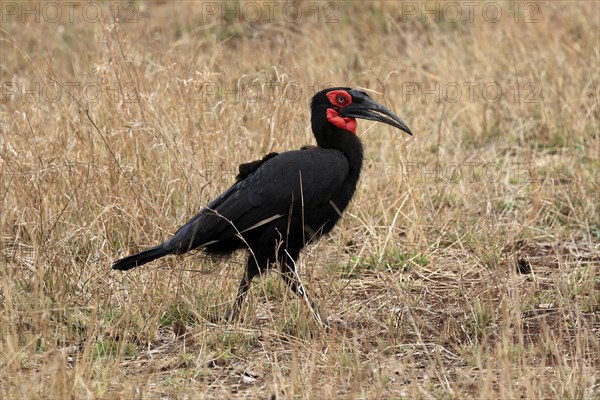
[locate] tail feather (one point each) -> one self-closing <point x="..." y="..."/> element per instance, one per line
<point x="140" y="258"/>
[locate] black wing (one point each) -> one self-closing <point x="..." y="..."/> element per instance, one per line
<point x="247" y="168"/>
<point x="296" y="178"/>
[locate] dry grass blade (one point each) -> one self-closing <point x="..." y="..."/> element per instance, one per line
<point x="467" y="265"/>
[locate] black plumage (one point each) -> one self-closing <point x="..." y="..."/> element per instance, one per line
<point x="283" y="201"/>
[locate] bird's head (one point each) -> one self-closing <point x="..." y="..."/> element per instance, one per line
<point x="334" y="112"/>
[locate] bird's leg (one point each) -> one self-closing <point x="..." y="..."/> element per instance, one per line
<point x="251" y="271"/>
<point x="242" y="290"/>
<point x="292" y="279"/>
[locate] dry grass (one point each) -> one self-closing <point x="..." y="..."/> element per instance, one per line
<point x="479" y="285"/>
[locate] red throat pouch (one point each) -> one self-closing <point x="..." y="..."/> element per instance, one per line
<point x="346" y="123"/>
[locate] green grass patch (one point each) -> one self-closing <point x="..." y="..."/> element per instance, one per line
<point x="394" y="260"/>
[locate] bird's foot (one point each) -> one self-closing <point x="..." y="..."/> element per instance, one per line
<point x="336" y="324"/>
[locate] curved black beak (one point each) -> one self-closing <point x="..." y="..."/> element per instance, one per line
<point x="365" y="107"/>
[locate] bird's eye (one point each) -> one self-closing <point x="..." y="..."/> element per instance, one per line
<point x="339" y="98"/>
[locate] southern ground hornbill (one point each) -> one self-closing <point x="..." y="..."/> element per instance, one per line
<point x="284" y="201"/>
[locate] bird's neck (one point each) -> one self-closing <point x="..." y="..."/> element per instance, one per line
<point x="350" y="145"/>
<point x="355" y="156"/>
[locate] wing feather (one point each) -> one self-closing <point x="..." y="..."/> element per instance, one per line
<point x="284" y="182"/>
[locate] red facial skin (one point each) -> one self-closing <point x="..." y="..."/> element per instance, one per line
<point x="340" y="99"/>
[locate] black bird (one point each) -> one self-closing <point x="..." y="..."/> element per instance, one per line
<point x="284" y="201"/>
